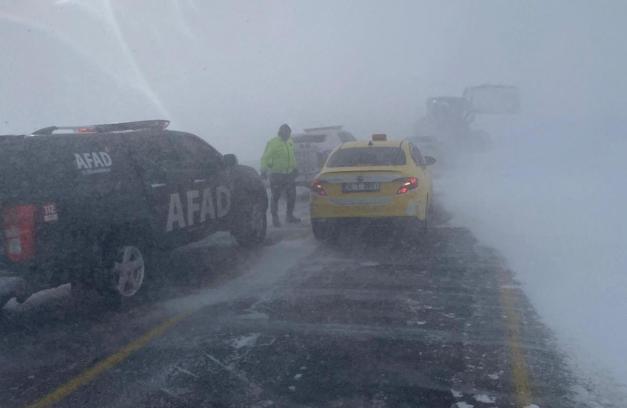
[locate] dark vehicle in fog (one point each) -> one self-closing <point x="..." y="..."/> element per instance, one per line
<point x="95" y="205"/>
<point x="313" y="147"/>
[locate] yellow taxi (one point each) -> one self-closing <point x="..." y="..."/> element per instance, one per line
<point x="375" y="180"/>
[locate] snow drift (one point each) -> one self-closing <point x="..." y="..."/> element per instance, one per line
<point x="550" y="197"/>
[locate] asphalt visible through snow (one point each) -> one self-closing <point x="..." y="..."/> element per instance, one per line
<point x="375" y="320"/>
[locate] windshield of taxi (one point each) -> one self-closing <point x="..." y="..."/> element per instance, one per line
<point x="367" y="156"/>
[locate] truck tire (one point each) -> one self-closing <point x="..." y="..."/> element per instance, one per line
<point x="126" y="266"/>
<point x="426" y="223"/>
<point x="251" y="222"/>
<point x="418" y="230"/>
<point x="324" y="230"/>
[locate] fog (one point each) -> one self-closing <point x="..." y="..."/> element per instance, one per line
<point x="554" y="209"/>
<point x="547" y="193"/>
<point x="231" y="71"/>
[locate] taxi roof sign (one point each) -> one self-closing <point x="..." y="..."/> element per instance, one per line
<point x="379" y="137"/>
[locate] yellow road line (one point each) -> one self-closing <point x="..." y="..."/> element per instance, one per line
<point x="512" y="324"/>
<point x="93" y="372"/>
<point x="512" y="320"/>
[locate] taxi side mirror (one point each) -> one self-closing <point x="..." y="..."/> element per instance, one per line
<point x="230" y="160"/>
<point x="429" y="160"/>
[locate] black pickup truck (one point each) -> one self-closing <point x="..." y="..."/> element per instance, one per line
<point x="95" y="205"/>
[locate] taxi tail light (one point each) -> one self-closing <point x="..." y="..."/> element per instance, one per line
<point x="19" y="232"/>
<point x="318" y="188"/>
<point x="408" y="183"/>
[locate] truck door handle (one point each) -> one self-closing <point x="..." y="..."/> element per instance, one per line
<point x="157" y="185"/>
<point x="199" y="180"/>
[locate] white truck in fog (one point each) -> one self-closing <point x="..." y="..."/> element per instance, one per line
<point x="447" y="127"/>
<point x="312" y="148"/>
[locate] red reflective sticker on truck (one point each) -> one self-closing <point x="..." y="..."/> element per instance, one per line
<point x="19" y="232"/>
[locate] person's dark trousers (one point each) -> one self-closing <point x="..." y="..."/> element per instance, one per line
<point x="280" y="183"/>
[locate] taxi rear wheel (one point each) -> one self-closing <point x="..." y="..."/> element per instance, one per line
<point x="324" y="230"/>
<point x="426" y="222"/>
<point x="419" y="228"/>
<point x="428" y="214"/>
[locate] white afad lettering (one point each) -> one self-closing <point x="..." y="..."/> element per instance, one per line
<point x="192" y="205"/>
<point x="97" y="161"/>
<point x="207" y="208"/>
<point x="223" y="196"/>
<point x="88" y="159"/>
<point x="175" y="213"/>
<point x="180" y="216"/>
<point x="80" y="163"/>
<point x="106" y="159"/>
<point x="93" y="162"/>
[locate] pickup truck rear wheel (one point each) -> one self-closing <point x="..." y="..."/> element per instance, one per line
<point x="126" y="266"/>
<point x="128" y="270"/>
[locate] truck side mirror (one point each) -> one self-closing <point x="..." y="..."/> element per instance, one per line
<point x="230" y="160"/>
<point x="429" y="160"/>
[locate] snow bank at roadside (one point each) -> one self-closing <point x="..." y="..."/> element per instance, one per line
<point x="552" y="199"/>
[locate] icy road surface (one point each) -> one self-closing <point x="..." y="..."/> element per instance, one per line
<point x="369" y="322"/>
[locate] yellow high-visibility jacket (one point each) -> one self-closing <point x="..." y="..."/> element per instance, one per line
<point x="278" y="156"/>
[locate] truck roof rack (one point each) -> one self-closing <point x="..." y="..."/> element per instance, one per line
<point x="108" y="127"/>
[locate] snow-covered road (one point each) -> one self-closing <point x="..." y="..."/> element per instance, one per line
<point x="370" y="322"/>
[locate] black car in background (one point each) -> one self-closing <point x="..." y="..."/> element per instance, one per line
<point x="95" y="205"/>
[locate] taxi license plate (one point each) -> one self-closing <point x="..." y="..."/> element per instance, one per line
<point x="360" y="187"/>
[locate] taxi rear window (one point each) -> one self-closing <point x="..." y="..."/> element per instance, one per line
<point x="367" y="156"/>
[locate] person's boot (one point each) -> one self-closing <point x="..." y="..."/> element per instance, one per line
<point x="291" y="219"/>
<point x="275" y="221"/>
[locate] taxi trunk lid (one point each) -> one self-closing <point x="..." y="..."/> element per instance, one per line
<point x="383" y="180"/>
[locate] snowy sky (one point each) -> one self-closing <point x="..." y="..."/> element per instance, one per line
<point x="233" y="71"/>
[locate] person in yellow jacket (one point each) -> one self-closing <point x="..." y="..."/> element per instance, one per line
<point x="279" y="164"/>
